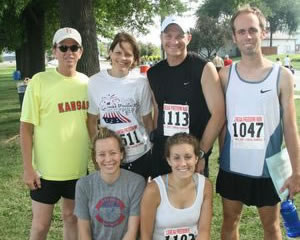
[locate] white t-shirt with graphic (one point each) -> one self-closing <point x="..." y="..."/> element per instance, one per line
<point x="121" y="103"/>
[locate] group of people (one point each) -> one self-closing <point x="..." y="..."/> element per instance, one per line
<point x="287" y="63"/>
<point x="162" y="127"/>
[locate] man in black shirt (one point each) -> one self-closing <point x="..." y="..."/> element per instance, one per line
<point x="187" y="96"/>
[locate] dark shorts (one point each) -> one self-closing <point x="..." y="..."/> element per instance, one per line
<point x="259" y="192"/>
<point x="52" y="191"/>
<point x="140" y="166"/>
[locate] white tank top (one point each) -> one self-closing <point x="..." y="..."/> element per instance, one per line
<point x="171" y="221"/>
<point x="254" y="130"/>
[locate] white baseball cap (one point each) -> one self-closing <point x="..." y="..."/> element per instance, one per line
<point x="174" y="20"/>
<point x="64" y="33"/>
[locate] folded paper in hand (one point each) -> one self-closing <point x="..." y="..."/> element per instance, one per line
<point x="280" y="169"/>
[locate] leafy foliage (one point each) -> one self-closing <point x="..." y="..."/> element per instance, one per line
<point x="208" y="36"/>
<point x="281" y="14"/>
<point x="148" y="49"/>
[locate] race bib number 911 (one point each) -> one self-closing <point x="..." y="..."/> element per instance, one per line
<point x="248" y="132"/>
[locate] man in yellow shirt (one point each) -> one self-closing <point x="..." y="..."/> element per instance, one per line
<point x="54" y="137"/>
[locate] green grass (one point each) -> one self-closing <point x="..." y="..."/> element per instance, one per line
<point x="15" y="204"/>
<point x="295" y="59"/>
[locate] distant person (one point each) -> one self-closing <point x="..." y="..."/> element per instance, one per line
<point x="107" y="201"/>
<point x="260" y="110"/>
<point x="121" y="99"/>
<point x="178" y="205"/>
<point x="278" y="61"/>
<point x="227" y="61"/>
<point x="218" y="62"/>
<point x="187" y="96"/>
<point x="54" y="136"/>
<point x="287" y="61"/>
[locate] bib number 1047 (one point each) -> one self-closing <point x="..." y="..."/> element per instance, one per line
<point x="243" y="129"/>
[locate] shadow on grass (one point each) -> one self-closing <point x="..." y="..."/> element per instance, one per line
<point x="10" y="121"/>
<point x="10" y="110"/>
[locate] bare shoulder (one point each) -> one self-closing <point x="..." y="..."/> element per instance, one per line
<point x="152" y="192"/>
<point x="286" y="79"/>
<point x="209" y="75"/>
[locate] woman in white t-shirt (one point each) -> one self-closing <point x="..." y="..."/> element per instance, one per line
<point x="178" y="205"/>
<point x="121" y="99"/>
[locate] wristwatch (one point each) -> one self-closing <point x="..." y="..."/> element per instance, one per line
<point x="201" y="154"/>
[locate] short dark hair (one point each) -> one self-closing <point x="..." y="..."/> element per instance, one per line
<point x="248" y="9"/>
<point x="182" y="138"/>
<point x="104" y="133"/>
<point x="125" y="37"/>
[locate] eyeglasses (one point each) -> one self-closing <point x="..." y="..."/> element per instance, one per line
<point x="73" y="48"/>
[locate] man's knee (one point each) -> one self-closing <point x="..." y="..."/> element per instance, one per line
<point x="271" y="227"/>
<point x="69" y="217"/>
<point x="231" y="220"/>
<point x="232" y="211"/>
<point x="39" y="228"/>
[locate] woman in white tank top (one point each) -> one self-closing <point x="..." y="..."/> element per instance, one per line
<point x="178" y="205"/>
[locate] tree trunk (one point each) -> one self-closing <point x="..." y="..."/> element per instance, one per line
<point x="30" y="57"/>
<point x="271" y="38"/>
<point x="79" y="14"/>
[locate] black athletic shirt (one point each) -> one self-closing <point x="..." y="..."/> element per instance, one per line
<point x="181" y="84"/>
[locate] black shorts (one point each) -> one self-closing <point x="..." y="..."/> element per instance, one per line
<point x="52" y="191"/>
<point x="259" y="192"/>
<point x="140" y="166"/>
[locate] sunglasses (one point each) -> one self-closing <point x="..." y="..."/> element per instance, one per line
<point x="73" y="48"/>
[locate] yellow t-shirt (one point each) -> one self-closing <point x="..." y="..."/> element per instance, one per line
<point x="57" y="107"/>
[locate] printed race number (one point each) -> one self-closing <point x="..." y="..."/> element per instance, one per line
<point x="189" y="236"/>
<point x="130" y="138"/>
<point x="133" y="140"/>
<point x="252" y="129"/>
<point x="248" y="132"/>
<point x="176" y="119"/>
<point x="184" y="233"/>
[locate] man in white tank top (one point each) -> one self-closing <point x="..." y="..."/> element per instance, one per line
<point x="256" y="90"/>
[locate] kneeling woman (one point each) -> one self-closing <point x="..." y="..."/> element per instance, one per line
<point x="107" y="202"/>
<point x="178" y="205"/>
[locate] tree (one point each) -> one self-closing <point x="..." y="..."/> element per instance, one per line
<point x="281" y="14"/>
<point x="148" y="49"/>
<point x="79" y="15"/>
<point x="90" y="17"/>
<point x="208" y="36"/>
<point x="22" y="26"/>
